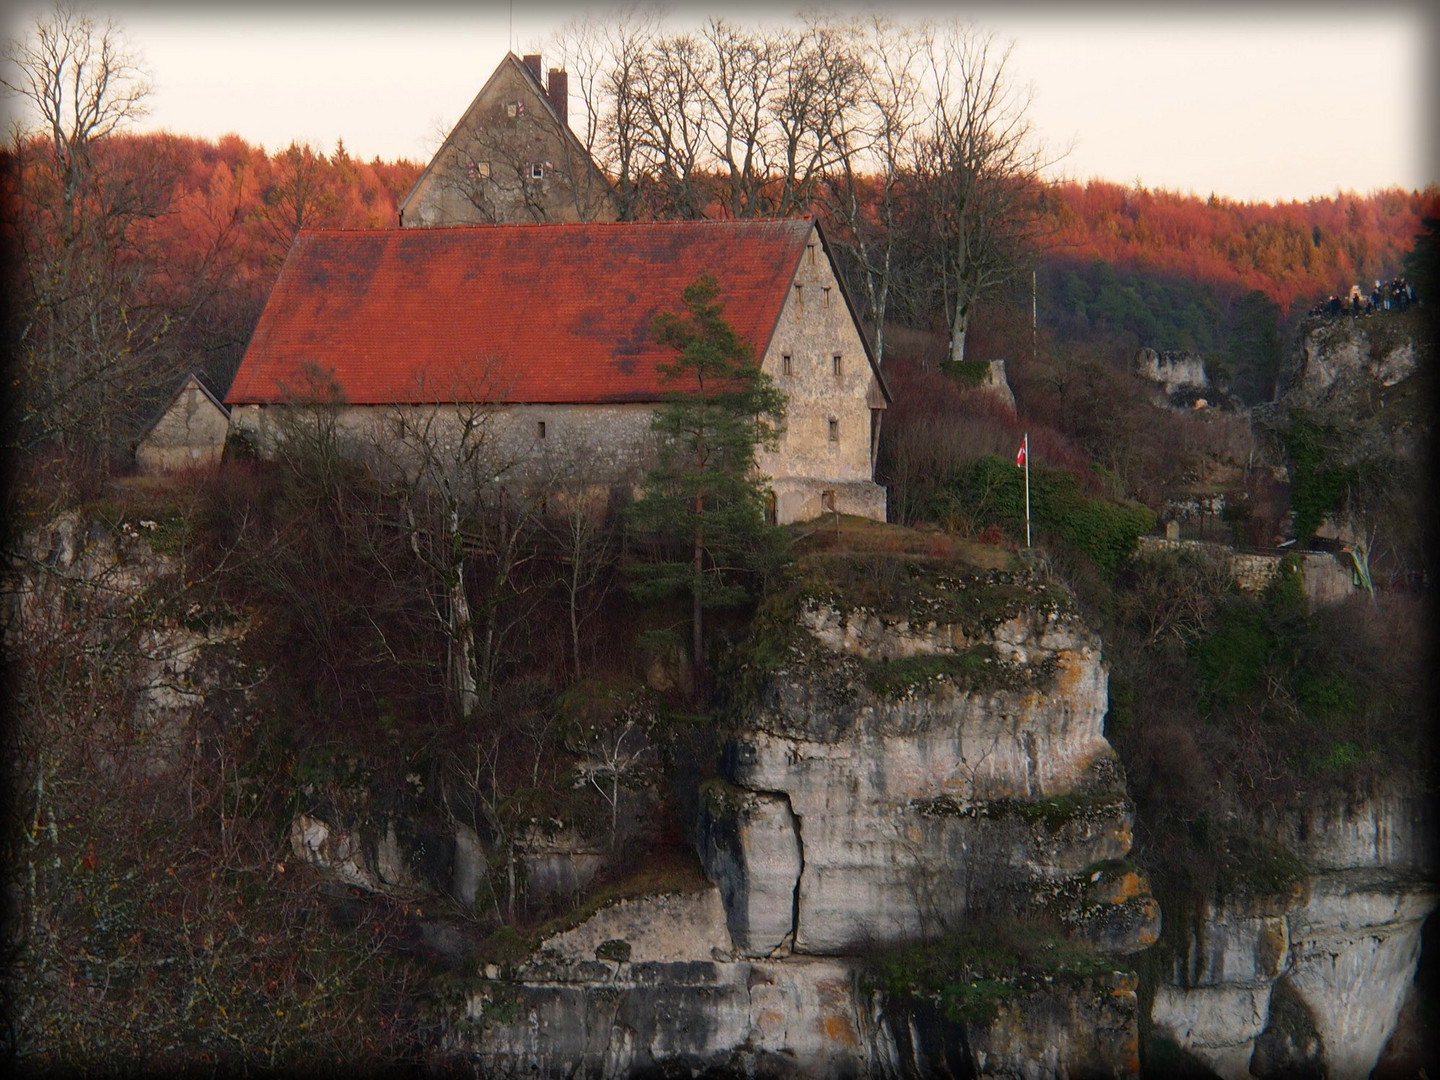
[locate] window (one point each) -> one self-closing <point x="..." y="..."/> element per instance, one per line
<point x="537" y="170"/>
<point x="835" y="362"/>
<point x="800" y="295"/>
<point x="787" y="366"/>
<point x="514" y="109"/>
<point x="810" y="247"/>
<point x="772" y="508"/>
<point x="834" y="430"/>
<point x="540" y="429"/>
<point x="827" y="295"/>
<point x="827" y="501"/>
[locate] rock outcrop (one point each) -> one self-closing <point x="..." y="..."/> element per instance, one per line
<point x="118" y="587"/>
<point x="1340" y="361"/>
<point x="905" y="761"/>
<point x="1274" y="985"/>
<point x="1174" y="371"/>
<point x="1180" y="380"/>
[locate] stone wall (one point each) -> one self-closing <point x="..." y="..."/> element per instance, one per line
<point x="824" y="461"/>
<point x="1328" y="578"/>
<point x="602" y="444"/>
<point x="833" y="418"/>
<point x="190" y="432"/>
<point x="483" y="172"/>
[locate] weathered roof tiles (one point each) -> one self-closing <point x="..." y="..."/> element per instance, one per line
<point x="557" y="313"/>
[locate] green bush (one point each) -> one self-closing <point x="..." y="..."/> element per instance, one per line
<point x="991" y="491"/>
<point x="1231" y="659"/>
<point x="971" y="973"/>
<point x="1317" y="482"/>
<point x="969" y="372"/>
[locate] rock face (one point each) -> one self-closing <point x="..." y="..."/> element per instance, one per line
<point x="1343" y="359"/>
<point x="116" y="586"/>
<point x="996" y="381"/>
<point x="1319" y="977"/>
<point x="651" y="985"/>
<point x="1175" y="371"/>
<point x="899" y="767"/>
<point x="933" y="794"/>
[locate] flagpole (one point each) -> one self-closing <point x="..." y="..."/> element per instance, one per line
<point x="1027" y="489"/>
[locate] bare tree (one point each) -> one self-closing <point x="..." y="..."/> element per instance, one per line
<point x="84" y="82"/>
<point x="472" y="491"/>
<point x="670" y="92"/>
<point x="615" y="754"/>
<point x="978" y="164"/>
<point x="577" y="523"/>
<point x="816" y="109"/>
<point x="867" y="182"/>
<point x="604" y="58"/>
<point x="100" y="294"/>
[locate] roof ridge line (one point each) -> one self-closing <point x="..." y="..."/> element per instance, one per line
<point x="476" y="226"/>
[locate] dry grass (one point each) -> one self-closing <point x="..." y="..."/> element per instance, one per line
<point x="844" y="534"/>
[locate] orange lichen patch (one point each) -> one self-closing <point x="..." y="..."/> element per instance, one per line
<point x="1270" y="947"/>
<point x="839" y="1029"/>
<point x="1118" y="890"/>
<point x="1132" y="1055"/>
<point x="1070" y="674"/>
<point x="1149" y="932"/>
<point x="836" y="1023"/>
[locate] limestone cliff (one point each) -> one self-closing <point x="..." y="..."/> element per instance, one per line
<point x="1347" y="360"/>
<point x="1316" y="979"/>
<point x="916" y="747"/>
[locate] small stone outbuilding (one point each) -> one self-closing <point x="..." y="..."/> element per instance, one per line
<point x="549" y="327"/>
<point x="190" y="431"/>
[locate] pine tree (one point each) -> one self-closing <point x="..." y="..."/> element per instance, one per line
<point x="703" y="501"/>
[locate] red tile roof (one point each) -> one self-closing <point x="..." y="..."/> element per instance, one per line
<point x="519" y="313"/>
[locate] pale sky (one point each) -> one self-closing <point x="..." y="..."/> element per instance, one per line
<point x="1258" y="101"/>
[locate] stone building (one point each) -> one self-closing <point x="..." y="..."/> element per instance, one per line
<point x="512" y="159"/>
<point x="548" y="328"/>
<point x="189" y="431"/>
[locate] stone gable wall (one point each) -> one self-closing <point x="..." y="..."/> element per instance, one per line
<point x="814" y="326"/>
<point x="482" y="173"/>
<point x="191" y="432"/>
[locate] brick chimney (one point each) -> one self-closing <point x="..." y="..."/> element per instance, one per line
<point x="557" y="90"/>
<point x="532" y="61"/>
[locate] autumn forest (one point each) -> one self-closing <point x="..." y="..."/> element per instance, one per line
<point x="1127" y="265"/>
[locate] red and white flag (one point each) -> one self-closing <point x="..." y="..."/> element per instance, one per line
<point x="1020" y="457"/>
